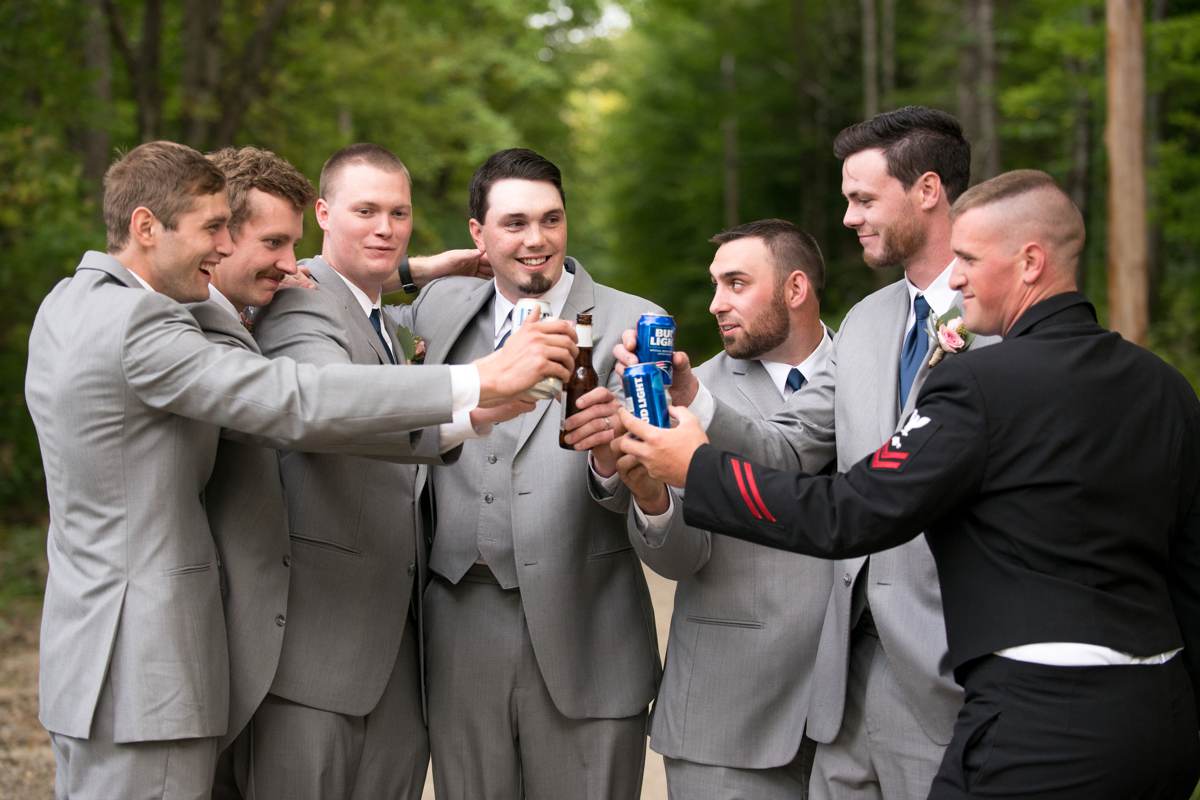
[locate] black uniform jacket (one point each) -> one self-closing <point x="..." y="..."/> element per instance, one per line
<point x="1056" y="475"/>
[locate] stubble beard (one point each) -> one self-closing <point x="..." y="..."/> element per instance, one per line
<point x="772" y="327"/>
<point x="901" y="242"/>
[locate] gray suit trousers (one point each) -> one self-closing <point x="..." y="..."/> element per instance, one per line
<point x="687" y="780"/>
<point x="294" y="751"/>
<point x="96" y="768"/>
<point x="881" y="750"/>
<point x="496" y="733"/>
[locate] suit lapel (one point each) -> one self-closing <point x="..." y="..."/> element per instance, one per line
<point x="891" y="333"/>
<point x="331" y="282"/>
<point x="439" y="348"/>
<point x="580" y="300"/>
<point x="755" y="384"/>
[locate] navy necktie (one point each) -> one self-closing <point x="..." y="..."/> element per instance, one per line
<point x="915" y="345"/>
<point x="795" y="380"/>
<point x="377" y="324"/>
<point x="507" y="333"/>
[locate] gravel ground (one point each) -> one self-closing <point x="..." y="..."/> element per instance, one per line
<point x="27" y="764"/>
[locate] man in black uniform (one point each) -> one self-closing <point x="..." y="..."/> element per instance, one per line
<point x="1056" y="475"/>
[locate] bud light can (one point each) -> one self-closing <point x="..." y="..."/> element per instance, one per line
<point x="645" y="395"/>
<point x="656" y="342"/>
<point x="546" y="388"/>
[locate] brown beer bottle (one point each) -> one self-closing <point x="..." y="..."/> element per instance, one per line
<point x="583" y="379"/>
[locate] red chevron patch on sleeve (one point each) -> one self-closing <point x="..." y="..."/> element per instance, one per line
<point x="754" y="491"/>
<point x="737" y="474"/>
<point x="887" y="458"/>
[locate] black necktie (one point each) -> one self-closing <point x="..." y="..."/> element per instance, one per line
<point x="377" y="324"/>
<point x="795" y="379"/>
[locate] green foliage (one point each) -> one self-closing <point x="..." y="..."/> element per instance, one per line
<point x="22" y="566"/>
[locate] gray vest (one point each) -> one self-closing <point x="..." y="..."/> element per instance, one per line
<point x="482" y="477"/>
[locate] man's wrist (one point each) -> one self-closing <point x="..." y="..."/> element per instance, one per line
<point x="407" y="285"/>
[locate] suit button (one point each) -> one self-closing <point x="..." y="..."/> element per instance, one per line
<point x="489" y="497"/>
<point x="287" y="561"/>
<point x="280" y="620"/>
<point x="491" y="458"/>
<point x="847" y="580"/>
<point x="412" y="569"/>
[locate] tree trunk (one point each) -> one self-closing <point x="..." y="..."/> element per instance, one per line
<point x="142" y="66"/>
<point x="97" y="144"/>
<point x="729" y="139"/>
<point x="1125" y="140"/>
<point x="1154" y="118"/>
<point x="968" y="70"/>
<point x="870" y="60"/>
<point x="888" y="53"/>
<point x="201" y="71"/>
<point x="248" y="76"/>
<point x="988" y="142"/>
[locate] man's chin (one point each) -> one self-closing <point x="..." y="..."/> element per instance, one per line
<point x="535" y="286"/>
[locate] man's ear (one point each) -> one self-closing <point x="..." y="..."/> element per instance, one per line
<point x="321" y="210"/>
<point x="476" y="229"/>
<point x="1033" y="263"/>
<point x="929" y="191"/>
<point x="796" y="288"/>
<point x="143" y="226"/>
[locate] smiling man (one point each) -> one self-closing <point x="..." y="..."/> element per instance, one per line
<point x="1061" y="507"/>
<point x="541" y="654"/>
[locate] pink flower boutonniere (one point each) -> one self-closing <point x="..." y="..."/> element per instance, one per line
<point x="950" y="334"/>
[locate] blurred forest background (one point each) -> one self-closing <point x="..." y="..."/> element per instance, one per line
<point x="672" y="119"/>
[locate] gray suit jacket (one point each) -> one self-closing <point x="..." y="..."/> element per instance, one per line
<point x="353" y="521"/>
<point x="903" y="588"/>
<point x="244" y="501"/>
<point x="128" y="397"/>
<point x="735" y="688"/>
<point x="582" y="589"/>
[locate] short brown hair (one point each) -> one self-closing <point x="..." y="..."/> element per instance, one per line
<point x="249" y="168"/>
<point x="361" y="153"/>
<point x="791" y="248"/>
<point x="165" y="177"/>
<point x="1002" y="187"/>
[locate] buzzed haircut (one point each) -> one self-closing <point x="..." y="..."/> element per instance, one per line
<point x="914" y="140"/>
<point x="1054" y="211"/>
<point x="249" y="168"/>
<point x="165" y="177"/>
<point x="361" y="153"/>
<point x="791" y="248"/>
<point x="516" y="162"/>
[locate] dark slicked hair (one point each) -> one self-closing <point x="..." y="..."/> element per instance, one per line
<point x="361" y="153"/>
<point x="517" y="162"/>
<point x="249" y="168"/>
<point x="791" y="248"/>
<point x="914" y="140"/>
<point x="165" y="177"/>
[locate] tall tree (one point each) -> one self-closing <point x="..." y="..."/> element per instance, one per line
<point x="870" y="58"/>
<point x="1128" y="290"/>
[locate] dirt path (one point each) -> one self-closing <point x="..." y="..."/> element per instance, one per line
<point x="27" y="764"/>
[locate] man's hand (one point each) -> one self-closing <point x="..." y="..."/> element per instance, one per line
<point x="469" y="262"/>
<point x="649" y="494"/>
<point x="594" y="426"/>
<point x="301" y="279"/>
<point x="666" y="453"/>
<point x="684" y="383"/>
<point x="540" y="348"/>
<point x="484" y="418"/>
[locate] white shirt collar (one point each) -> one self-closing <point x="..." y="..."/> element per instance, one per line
<point x="556" y="296"/>
<point x="814" y="363"/>
<point x="141" y="280"/>
<point x="215" y="295"/>
<point x="938" y="294"/>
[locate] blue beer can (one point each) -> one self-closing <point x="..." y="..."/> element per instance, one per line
<point x="656" y="342"/>
<point x="645" y="395"/>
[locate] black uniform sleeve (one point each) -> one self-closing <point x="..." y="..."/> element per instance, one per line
<point x="930" y="466"/>
<point x="1184" y="566"/>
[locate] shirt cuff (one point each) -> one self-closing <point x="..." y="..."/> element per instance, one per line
<point x="605" y="487"/>
<point x="458" y="430"/>
<point x="464" y="388"/>
<point x="703" y="406"/>
<point x="653" y="527"/>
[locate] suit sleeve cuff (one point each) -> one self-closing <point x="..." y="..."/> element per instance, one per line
<point x="653" y="527"/>
<point x="703" y="406"/>
<point x="604" y="487"/>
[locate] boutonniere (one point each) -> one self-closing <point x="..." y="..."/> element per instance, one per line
<point x="412" y="346"/>
<point x="949" y="334"/>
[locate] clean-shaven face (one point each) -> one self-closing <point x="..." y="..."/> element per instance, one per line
<point x="880" y="210"/>
<point x="264" y="251"/>
<point x="524" y="235"/>
<point x="987" y="270"/>
<point x="748" y="298"/>
<point x="367" y="219"/>
<point x="183" y="260"/>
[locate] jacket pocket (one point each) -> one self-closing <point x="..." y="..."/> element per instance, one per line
<point x="325" y="544"/>
<point x="612" y="551"/>
<point x="728" y="623"/>
<point x="187" y="569"/>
